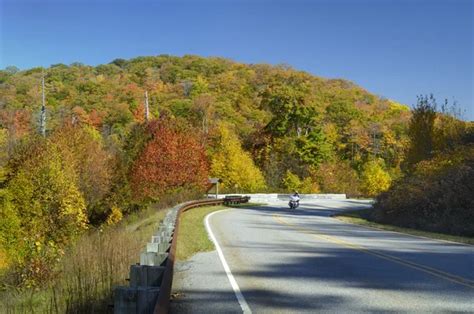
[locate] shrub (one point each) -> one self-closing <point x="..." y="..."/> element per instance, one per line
<point x="438" y="196"/>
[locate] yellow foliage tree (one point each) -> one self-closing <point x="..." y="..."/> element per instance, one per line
<point x="114" y="216"/>
<point x="3" y="153"/>
<point x="293" y="183"/>
<point x="308" y="186"/>
<point x="374" y="178"/>
<point x="234" y="165"/>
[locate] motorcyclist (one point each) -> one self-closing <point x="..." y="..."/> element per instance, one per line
<point x="296" y="196"/>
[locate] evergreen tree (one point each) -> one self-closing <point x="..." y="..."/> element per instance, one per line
<point x="421" y="130"/>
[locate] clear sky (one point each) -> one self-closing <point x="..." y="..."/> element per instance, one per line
<point x="394" y="48"/>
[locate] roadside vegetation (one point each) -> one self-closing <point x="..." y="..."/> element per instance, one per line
<point x="116" y="138"/>
<point x="83" y="280"/>
<point x="436" y="191"/>
<point x="434" y="194"/>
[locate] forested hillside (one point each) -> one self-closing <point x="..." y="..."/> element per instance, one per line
<point x="288" y="120"/>
<point x="258" y="127"/>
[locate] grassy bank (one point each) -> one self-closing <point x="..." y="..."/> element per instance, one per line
<point x="192" y="232"/>
<point x="362" y="217"/>
<point x="193" y="236"/>
<point x="89" y="270"/>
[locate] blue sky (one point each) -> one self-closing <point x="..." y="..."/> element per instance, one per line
<point x="396" y="49"/>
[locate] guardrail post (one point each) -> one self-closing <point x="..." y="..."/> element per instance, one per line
<point x="152" y="258"/>
<point x="150" y="282"/>
<point x="135" y="300"/>
<point x="146" y="276"/>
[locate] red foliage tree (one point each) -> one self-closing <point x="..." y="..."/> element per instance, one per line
<point x="139" y="113"/>
<point x="174" y="158"/>
<point x="95" y="118"/>
<point x="18" y="122"/>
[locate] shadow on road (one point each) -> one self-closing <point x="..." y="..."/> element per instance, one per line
<point x="192" y="301"/>
<point x="281" y="269"/>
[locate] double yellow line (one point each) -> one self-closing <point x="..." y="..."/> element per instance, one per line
<point x="423" y="268"/>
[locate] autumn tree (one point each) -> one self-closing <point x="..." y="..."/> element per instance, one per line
<point x="45" y="209"/>
<point x="45" y="188"/>
<point x="82" y="146"/>
<point x="204" y="109"/>
<point x="10" y="232"/>
<point x="173" y="159"/>
<point x="234" y="165"/>
<point x="374" y="178"/>
<point x="292" y="183"/>
<point x="337" y="176"/>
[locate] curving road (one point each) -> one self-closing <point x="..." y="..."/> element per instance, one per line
<point x="306" y="261"/>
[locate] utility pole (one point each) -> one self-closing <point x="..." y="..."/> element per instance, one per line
<point x="147" y="108"/>
<point x="43" y="110"/>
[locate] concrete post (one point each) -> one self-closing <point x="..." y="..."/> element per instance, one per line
<point x="153" y="258"/>
<point x="135" y="300"/>
<point x="146" y="276"/>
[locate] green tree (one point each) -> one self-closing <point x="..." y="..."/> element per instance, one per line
<point x="314" y="148"/>
<point x="449" y="129"/>
<point x="342" y="112"/>
<point x="291" y="106"/>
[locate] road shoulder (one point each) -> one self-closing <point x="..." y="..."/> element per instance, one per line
<point x="200" y="283"/>
<point x="357" y="217"/>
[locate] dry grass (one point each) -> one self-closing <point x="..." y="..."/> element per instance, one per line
<point x="90" y="269"/>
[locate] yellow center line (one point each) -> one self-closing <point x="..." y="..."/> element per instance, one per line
<point x="426" y="269"/>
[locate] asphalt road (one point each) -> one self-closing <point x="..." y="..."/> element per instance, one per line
<point x="306" y="261"/>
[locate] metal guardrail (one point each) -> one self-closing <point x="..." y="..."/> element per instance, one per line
<point x="151" y="280"/>
<point x="268" y="197"/>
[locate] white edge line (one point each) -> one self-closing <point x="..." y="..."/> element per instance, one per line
<point x="238" y="294"/>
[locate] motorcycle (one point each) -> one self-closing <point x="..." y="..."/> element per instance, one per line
<point x="294" y="202"/>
